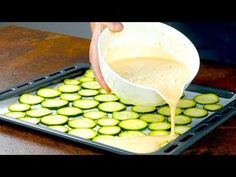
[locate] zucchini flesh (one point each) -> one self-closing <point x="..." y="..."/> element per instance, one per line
<point x="196" y="112"/>
<point x="94" y="114"/>
<point x="107" y="122"/>
<point x="85" y="79"/>
<point x="60" y="128"/>
<point x="88" y="92"/>
<point x="111" y="106"/>
<point x="124" y="115"/>
<point x="69" y="88"/>
<point x="40" y="112"/>
<point x="165" y="110"/>
<point x="15" y="114"/>
<point x="143" y="109"/>
<point x="131" y="134"/>
<point x="18" y="107"/>
<point x="71" y="82"/>
<point x="30" y="119"/>
<point x="54" y="103"/>
<point x="102" y="91"/>
<point x="89" y="73"/>
<point x="48" y="93"/>
<point x="94" y="85"/>
<point x="83" y="133"/>
<point x="207" y="98"/>
<point x="150" y="118"/>
<point x="106" y="97"/>
<point x="54" y="119"/>
<point x="82" y="123"/>
<point x="85" y="104"/>
<point x="159" y="133"/>
<point x="181" y="119"/>
<point x="133" y="124"/>
<point x="186" y="103"/>
<point x="159" y="126"/>
<point x="30" y="99"/>
<point x="213" y="107"/>
<point x="181" y="129"/>
<point x="70" y="96"/>
<point x="70" y="111"/>
<point x="109" y="130"/>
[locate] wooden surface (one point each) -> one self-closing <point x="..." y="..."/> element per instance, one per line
<point x="26" y="54"/>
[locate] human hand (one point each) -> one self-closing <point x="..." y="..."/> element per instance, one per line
<point x="97" y="29"/>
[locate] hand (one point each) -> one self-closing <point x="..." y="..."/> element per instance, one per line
<point x="96" y="29"/>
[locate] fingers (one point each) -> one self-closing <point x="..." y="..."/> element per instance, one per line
<point x="93" y="57"/>
<point x="114" y="26"/>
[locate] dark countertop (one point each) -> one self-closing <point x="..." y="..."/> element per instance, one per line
<point x="26" y="54"/>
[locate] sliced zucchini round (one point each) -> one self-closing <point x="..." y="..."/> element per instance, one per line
<point x="88" y="92"/>
<point x="181" y="129"/>
<point x="109" y="130"/>
<point x="39" y="112"/>
<point x="30" y="99"/>
<point x="54" y="103"/>
<point x="165" y="110"/>
<point x="19" y="107"/>
<point x="159" y="126"/>
<point x="94" y="114"/>
<point x="89" y="73"/>
<point x="86" y="79"/>
<point x="196" y="112"/>
<point x="125" y="102"/>
<point x="124" y="115"/>
<point x="83" y="133"/>
<point x="143" y="109"/>
<point x="54" y="119"/>
<point x="71" y="82"/>
<point x="94" y="85"/>
<point x="82" y="123"/>
<point x="150" y="118"/>
<point x="15" y="114"/>
<point x="85" y="104"/>
<point x="133" y="124"/>
<point x="181" y="119"/>
<point x="30" y="119"/>
<point x="213" y="107"/>
<point x="106" y="97"/>
<point x="107" y="122"/>
<point x="70" y="96"/>
<point x="69" y="88"/>
<point x="48" y="92"/>
<point x="207" y="98"/>
<point x="111" y="106"/>
<point x="70" y="111"/>
<point x="131" y="134"/>
<point x="102" y="91"/>
<point x="159" y="133"/>
<point x="186" y="103"/>
<point x="60" y="128"/>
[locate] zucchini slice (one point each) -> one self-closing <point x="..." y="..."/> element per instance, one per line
<point x="69" y="88"/>
<point x="213" y="107"/>
<point x="88" y="92"/>
<point x="133" y="124"/>
<point x="143" y="109"/>
<point x="54" y="103"/>
<point x="159" y="126"/>
<point x="94" y="85"/>
<point x="89" y="73"/>
<point x="124" y="115"/>
<point x="131" y="134"/>
<point x="106" y="97"/>
<point x="48" y="93"/>
<point x="60" y="128"/>
<point x="196" y="112"/>
<point x="83" y="133"/>
<point x="30" y="119"/>
<point x="186" y="103"/>
<point x="107" y="122"/>
<point x="70" y="111"/>
<point x="94" y="114"/>
<point x="159" y="133"/>
<point x="70" y="96"/>
<point x="86" y="79"/>
<point x="30" y="99"/>
<point x="54" y="119"/>
<point x="181" y="129"/>
<point x="111" y="106"/>
<point x="85" y="104"/>
<point x="18" y="107"/>
<point x="102" y="91"/>
<point x="71" y="82"/>
<point x="165" y="110"/>
<point x="150" y="118"/>
<point x="109" y="130"/>
<point x="15" y="114"/>
<point x="82" y="123"/>
<point x="207" y="98"/>
<point x="181" y="119"/>
<point x="39" y="112"/>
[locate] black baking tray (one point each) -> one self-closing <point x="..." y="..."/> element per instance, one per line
<point x="199" y="130"/>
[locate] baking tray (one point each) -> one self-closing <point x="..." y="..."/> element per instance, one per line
<point x="200" y="127"/>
